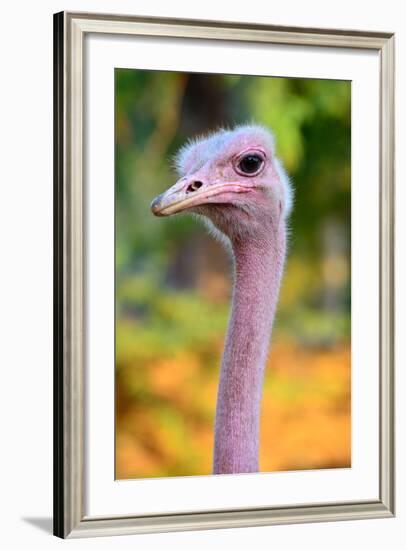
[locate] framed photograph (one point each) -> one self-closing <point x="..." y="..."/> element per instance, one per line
<point x="224" y="220"/>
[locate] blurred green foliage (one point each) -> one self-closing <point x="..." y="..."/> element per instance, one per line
<point x="172" y="282"/>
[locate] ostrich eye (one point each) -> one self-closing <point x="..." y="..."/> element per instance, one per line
<point x="250" y="164"/>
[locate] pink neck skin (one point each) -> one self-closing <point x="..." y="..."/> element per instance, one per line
<point x="258" y="271"/>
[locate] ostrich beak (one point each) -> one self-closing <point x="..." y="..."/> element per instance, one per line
<point x="170" y="201"/>
<point x="189" y="192"/>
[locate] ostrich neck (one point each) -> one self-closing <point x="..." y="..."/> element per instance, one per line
<point x="258" y="267"/>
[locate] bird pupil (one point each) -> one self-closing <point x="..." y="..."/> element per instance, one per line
<point x="250" y="164"/>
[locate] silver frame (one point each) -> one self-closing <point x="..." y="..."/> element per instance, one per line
<point x="70" y="30"/>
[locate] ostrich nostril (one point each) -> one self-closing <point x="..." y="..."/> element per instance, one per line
<point x="194" y="186"/>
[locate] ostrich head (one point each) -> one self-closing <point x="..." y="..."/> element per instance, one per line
<point x="233" y="179"/>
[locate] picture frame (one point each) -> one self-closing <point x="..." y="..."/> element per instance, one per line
<point x="70" y="289"/>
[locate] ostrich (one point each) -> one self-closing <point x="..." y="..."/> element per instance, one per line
<point x="233" y="180"/>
